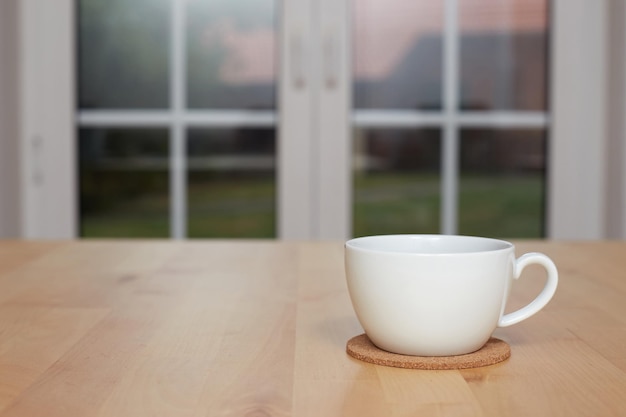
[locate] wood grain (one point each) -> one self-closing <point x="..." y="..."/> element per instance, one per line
<point x="258" y="328"/>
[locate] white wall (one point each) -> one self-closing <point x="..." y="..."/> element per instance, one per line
<point x="37" y="160"/>
<point x="9" y="126"/>
<point x="47" y="128"/>
<point x="587" y="181"/>
<point x="616" y="146"/>
<point x="578" y="103"/>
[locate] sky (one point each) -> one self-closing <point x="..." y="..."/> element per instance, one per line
<point x="383" y="32"/>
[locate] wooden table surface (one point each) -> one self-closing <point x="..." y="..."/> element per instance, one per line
<point x="225" y="328"/>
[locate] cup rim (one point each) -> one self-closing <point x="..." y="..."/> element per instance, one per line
<point x="494" y="245"/>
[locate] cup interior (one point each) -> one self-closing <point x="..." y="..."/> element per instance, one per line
<point x="428" y="244"/>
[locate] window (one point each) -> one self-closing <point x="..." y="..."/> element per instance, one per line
<point x="313" y="95"/>
<point x="450" y="118"/>
<point x="177" y="118"/>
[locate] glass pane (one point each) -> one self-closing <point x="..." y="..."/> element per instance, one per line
<point x="397" y="54"/>
<point x="503" y="54"/>
<point x="231" y="183"/>
<point x="231" y="54"/>
<point x="396" y="181"/>
<point x="123" y="54"/>
<point x="502" y="183"/>
<point x="124" y="182"/>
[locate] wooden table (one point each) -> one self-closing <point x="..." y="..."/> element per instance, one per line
<point x="142" y="328"/>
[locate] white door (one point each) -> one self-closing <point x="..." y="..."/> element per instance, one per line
<point x="424" y="117"/>
<point x="178" y="117"/>
<point x="326" y="142"/>
<point x="212" y="119"/>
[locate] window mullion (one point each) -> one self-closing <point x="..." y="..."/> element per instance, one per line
<point x="178" y="162"/>
<point x="450" y="154"/>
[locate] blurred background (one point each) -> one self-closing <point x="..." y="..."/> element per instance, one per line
<point x="312" y="119"/>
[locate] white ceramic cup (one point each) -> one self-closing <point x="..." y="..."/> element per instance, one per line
<point x="437" y="295"/>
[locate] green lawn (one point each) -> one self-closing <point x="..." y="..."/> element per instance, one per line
<point x="504" y="206"/>
<point x="396" y="203"/>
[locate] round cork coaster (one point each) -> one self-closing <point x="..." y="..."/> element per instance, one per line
<point x="494" y="351"/>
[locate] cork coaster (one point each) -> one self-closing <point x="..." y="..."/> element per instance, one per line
<point x="494" y="351"/>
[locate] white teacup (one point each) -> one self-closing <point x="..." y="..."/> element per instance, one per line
<point x="437" y="295"/>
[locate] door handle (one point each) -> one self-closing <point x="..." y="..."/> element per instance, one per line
<point x="298" y="65"/>
<point x="37" y="172"/>
<point x="331" y="58"/>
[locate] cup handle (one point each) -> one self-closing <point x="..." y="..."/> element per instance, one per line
<point x="544" y="296"/>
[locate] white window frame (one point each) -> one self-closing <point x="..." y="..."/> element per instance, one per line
<point x="578" y="199"/>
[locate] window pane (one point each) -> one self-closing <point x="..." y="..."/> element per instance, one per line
<point x="232" y="186"/>
<point x="502" y="183"/>
<point x="123" y="54"/>
<point x="231" y="54"/>
<point x="123" y="183"/>
<point x="503" y="54"/>
<point x="396" y="181"/>
<point x="397" y="54"/>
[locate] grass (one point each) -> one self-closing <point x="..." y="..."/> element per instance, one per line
<point x="243" y="208"/>
<point x="396" y="203"/>
<point x="497" y="206"/>
<point x="506" y="207"/>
